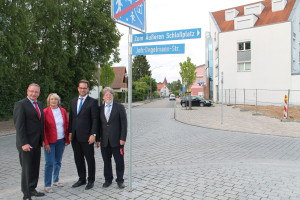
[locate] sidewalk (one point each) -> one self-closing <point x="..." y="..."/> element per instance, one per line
<point x="235" y="120"/>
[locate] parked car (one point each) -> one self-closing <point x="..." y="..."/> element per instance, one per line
<point x="172" y="97"/>
<point x="196" y="101"/>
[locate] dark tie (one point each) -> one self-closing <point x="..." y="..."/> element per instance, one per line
<point x="79" y="108"/>
<point x="37" y="109"/>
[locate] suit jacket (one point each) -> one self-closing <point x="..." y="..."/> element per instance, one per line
<point x="50" y="125"/>
<point x="116" y="128"/>
<point x="86" y="123"/>
<point x="29" y="128"/>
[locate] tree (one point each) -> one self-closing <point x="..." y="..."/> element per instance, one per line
<point x="107" y="75"/>
<point x="140" y="67"/>
<point x="55" y="44"/>
<point x="175" y="85"/>
<point x="188" y="74"/>
<point x="139" y="90"/>
<point x="153" y="83"/>
<point x="18" y="54"/>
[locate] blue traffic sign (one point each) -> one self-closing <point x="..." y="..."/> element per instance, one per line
<point x="167" y="35"/>
<point x="158" y="49"/>
<point x="131" y="13"/>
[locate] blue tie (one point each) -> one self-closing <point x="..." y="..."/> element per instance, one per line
<point x="79" y="105"/>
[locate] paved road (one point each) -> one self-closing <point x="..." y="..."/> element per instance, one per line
<point x="173" y="160"/>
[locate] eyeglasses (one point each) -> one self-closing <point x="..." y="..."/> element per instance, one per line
<point x="32" y="91"/>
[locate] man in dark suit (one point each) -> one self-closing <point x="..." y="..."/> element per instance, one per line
<point x="83" y="128"/>
<point x="113" y="132"/>
<point x="29" y="123"/>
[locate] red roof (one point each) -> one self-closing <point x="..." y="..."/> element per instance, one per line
<point x="119" y="81"/>
<point x="265" y="18"/>
<point x="160" y="86"/>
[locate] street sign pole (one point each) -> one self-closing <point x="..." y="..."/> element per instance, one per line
<point x="130" y="106"/>
<point x="133" y="15"/>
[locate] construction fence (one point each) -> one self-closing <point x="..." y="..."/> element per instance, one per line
<point x="263" y="97"/>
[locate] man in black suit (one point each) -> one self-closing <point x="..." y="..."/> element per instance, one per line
<point x="113" y="132"/>
<point x="29" y="123"/>
<point x="83" y="128"/>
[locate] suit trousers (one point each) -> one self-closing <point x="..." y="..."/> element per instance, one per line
<point x="30" y="163"/>
<point x="107" y="153"/>
<point x="84" y="150"/>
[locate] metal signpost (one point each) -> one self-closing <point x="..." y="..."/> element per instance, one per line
<point x="133" y="15"/>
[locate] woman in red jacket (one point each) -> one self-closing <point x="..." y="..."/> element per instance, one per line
<point x="56" y="138"/>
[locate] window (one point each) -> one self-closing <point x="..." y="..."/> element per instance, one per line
<point x="244" y="56"/>
<point x="244" y="46"/>
<point x="244" y="66"/>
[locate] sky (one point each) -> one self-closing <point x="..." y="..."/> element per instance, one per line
<point x="169" y="15"/>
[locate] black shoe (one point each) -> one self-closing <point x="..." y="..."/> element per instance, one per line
<point x="121" y="185"/>
<point x="106" y="184"/>
<point x="78" y="183"/>
<point x="27" y="198"/>
<point x="37" y="194"/>
<point x="90" y="185"/>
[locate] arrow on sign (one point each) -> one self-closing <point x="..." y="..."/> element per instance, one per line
<point x="129" y="8"/>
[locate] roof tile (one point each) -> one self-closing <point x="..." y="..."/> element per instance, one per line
<point x="265" y="18"/>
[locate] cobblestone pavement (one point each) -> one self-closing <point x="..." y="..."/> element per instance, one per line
<point x="173" y="160"/>
<point x="235" y="120"/>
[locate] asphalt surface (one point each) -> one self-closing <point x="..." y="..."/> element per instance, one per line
<point x="237" y="159"/>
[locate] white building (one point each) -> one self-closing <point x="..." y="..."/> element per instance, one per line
<point x="256" y="46"/>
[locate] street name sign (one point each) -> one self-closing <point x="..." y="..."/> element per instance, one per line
<point x="131" y="13"/>
<point x="158" y="49"/>
<point x="167" y="35"/>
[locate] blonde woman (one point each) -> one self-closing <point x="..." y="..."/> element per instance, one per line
<point x="56" y="138"/>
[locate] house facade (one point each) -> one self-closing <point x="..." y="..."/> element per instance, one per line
<point x="119" y="85"/>
<point x="201" y="85"/>
<point x="163" y="89"/>
<point x="256" y="46"/>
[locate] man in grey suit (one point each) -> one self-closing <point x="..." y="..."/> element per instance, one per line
<point x="113" y="132"/>
<point x="83" y="128"/>
<point x="29" y="123"/>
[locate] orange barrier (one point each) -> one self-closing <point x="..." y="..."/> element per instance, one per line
<point x="285" y="107"/>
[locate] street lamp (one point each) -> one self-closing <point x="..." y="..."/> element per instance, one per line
<point x="99" y="102"/>
<point x="151" y="81"/>
<point x="126" y="75"/>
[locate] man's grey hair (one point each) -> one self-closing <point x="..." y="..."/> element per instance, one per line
<point x="108" y="89"/>
<point x="33" y="84"/>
